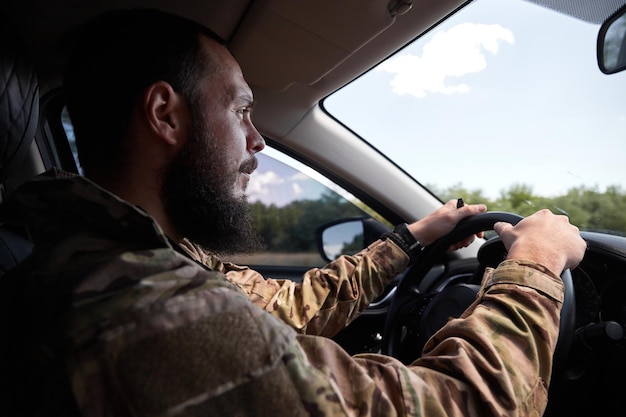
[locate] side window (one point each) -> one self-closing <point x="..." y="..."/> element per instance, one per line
<point x="290" y="201"/>
<point x="69" y="132"/>
<point x="54" y="147"/>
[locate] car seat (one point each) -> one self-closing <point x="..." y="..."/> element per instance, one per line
<point x="19" y="111"/>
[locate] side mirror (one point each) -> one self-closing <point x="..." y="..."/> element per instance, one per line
<point x="612" y="43"/>
<point x="347" y="236"/>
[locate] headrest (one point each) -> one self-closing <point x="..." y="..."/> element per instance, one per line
<point x="19" y="101"/>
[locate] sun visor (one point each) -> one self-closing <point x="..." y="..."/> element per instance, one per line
<point x="317" y="41"/>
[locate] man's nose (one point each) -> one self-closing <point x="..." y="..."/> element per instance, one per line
<point x="256" y="143"/>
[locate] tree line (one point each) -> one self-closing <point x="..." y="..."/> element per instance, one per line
<point x="290" y="228"/>
<point x="587" y="208"/>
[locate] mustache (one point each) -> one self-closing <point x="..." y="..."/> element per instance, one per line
<point x="249" y="165"/>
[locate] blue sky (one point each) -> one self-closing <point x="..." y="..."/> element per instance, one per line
<point x="505" y="93"/>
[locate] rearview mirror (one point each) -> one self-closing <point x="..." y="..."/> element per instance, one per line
<point x="347" y="236"/>
<point x="612" y="43"/>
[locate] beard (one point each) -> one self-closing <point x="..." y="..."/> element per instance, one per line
<point x="198" y="193"/>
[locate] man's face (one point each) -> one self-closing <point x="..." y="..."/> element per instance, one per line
<point x="204" y="186"/>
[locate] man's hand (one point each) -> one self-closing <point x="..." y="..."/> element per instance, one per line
<point x="545" y="238"/>
<point x="441" y="222"/>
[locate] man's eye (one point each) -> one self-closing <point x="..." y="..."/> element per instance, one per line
<point x="244" y="110"/>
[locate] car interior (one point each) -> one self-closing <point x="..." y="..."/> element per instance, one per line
<point x="294" y="54"/>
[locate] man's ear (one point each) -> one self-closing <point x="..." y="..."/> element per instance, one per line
<point x="166" y="112"/>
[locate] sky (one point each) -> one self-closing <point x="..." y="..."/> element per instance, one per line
<point x="505" y="93"/>
<point x="279" y="183"/>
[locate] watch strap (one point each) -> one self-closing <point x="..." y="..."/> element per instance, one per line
<point x="403" y="237"/>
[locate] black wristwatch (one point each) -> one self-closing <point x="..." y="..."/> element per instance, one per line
<point x="402" y="237"/>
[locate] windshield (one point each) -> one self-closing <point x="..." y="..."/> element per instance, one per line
<point x="503" y="102"/>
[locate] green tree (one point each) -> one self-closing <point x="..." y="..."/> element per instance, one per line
<point x="290" y="228"/>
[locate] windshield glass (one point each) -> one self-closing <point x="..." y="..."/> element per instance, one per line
<point x="504" y="103"/>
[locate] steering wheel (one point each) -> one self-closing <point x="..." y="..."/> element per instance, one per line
<point x="413" y="316"/>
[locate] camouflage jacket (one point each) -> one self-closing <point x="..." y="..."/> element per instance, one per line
<point x="328" y="298"/>
<point x="135" y="328"/>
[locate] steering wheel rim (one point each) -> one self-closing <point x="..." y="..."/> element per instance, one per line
<point x="407" y="289"/>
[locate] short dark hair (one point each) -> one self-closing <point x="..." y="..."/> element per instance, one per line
<point x="115" y="57"/>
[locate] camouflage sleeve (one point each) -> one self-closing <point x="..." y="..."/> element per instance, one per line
<point x="209" y="351"/>
<point x="495" y="360"/>
<point x="327" y="299"/>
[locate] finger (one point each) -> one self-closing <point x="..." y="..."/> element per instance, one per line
<point x="501" y="227"/>
<point x="452" y="203"/>
<point x="462" y="243"/>
<point x="469" y="209"/>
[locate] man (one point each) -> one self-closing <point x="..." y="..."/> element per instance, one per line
<point x="202" y="175"/>
<point x="121" y="321"/>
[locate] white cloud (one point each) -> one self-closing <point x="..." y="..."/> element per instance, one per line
<point x="297" y="189"/>
<point x="272" y="188"/>
<point x="452" y="53"/>
<point x="260" y="182"/>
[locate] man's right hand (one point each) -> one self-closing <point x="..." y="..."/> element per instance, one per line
<point x="545" y="238"/>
